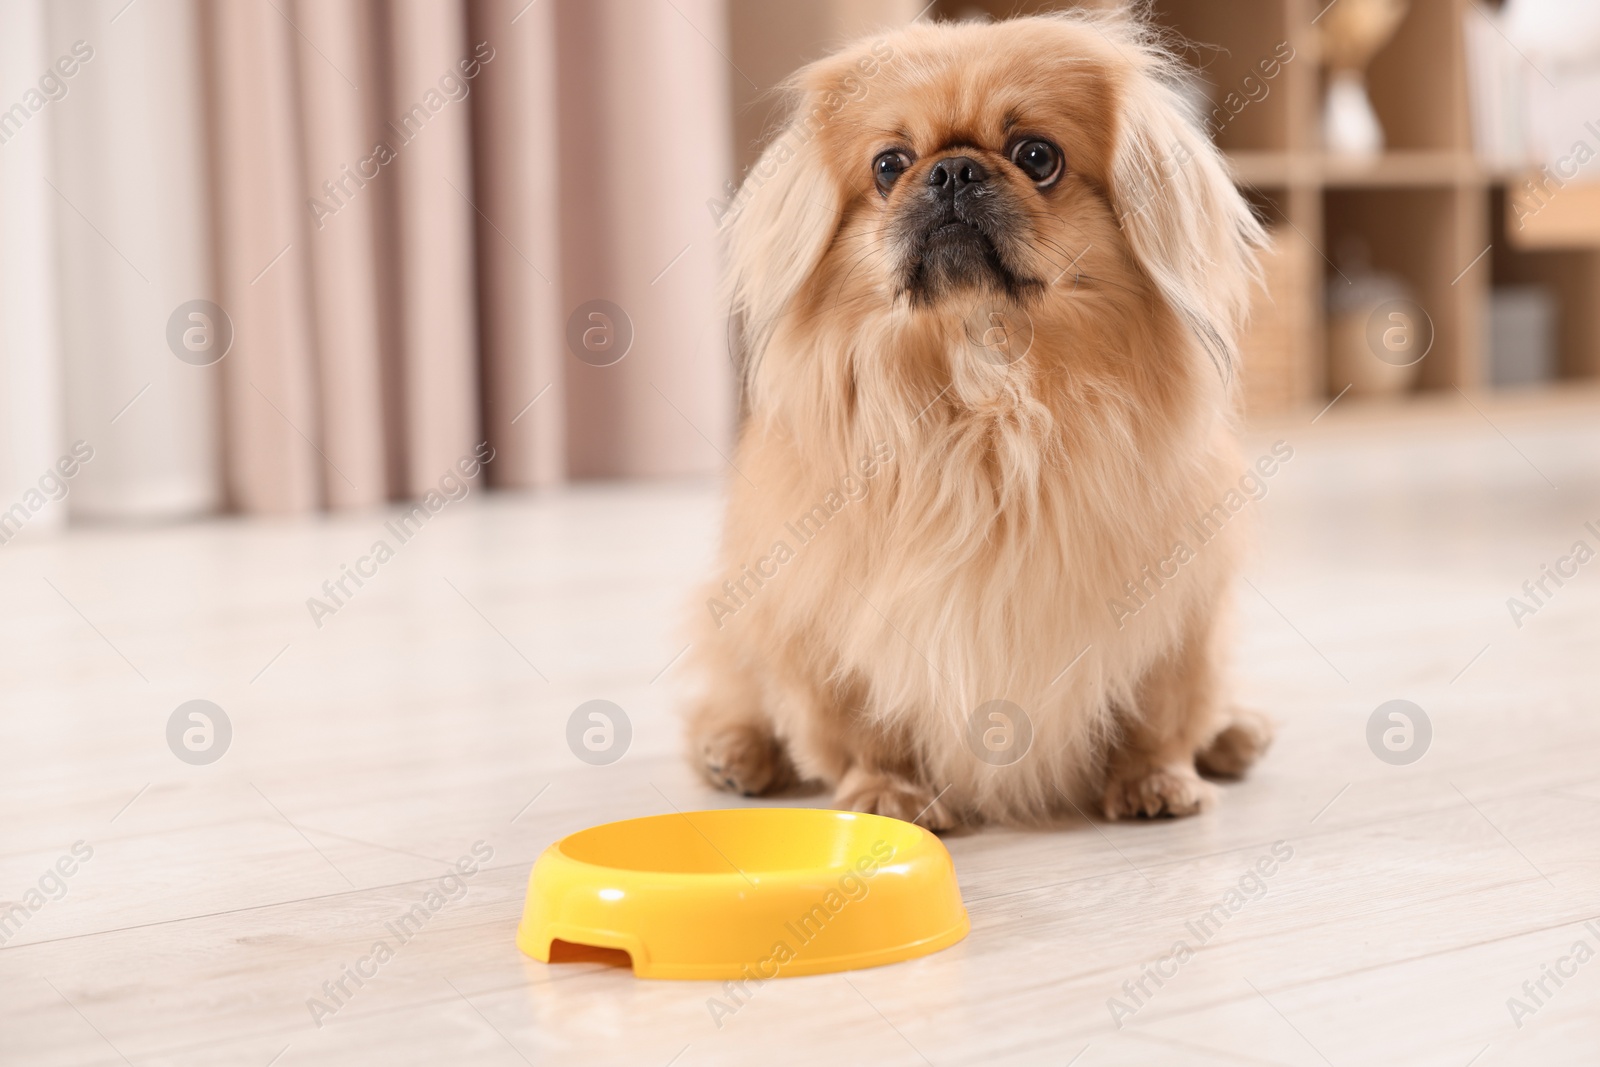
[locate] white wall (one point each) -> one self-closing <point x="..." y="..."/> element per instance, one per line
<point x="30" y="394"/>
<point x="131" y="225"/>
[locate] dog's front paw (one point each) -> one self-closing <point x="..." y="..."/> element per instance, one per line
<point x="744" y="759"/>
<point x="880" y="793"/>
<point x="1156" y="791"/>
<point x="1239" y="744"/>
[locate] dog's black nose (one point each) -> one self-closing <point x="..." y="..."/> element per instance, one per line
<point x="952" y="174"/>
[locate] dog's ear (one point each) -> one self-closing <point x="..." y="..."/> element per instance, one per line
<point x="780" y="223"/>
<point x="1191" y="230"/>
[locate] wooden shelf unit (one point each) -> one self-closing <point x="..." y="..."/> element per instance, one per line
<point x="1425" y="210"/>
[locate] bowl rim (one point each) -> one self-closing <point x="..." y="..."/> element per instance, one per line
<point x="918" y="836"/>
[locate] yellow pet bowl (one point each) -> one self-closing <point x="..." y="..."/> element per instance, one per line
<point x="750" y="893"/>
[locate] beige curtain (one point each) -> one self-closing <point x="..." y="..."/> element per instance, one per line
<point x="520" y="280"/>
<point x="270" y="402"/>
<point x="644" y="92"/>
<point x="414" y="214"/>
<point x="431" y="71"/>
<point x="339" y="97"/>
<point x="413" y="197"/>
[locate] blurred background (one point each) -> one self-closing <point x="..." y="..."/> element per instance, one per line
<point x="278" y="256"/>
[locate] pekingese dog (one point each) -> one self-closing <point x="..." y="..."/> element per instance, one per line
<point x="990" y="278"/>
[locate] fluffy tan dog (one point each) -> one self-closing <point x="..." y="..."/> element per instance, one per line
<point x="990" y="277"/>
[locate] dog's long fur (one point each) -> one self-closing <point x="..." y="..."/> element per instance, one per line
<point x="971" y="520"/>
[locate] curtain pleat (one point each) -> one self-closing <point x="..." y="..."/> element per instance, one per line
<point x="130" y="223"/>
<point x="274" y="463"/>
<point x="339" y="104"/>
<point x="30" y="395"/>
<point x="644" y="146"/>
<point x="428" y="128"/>
<point x="515" y="152"/>
<point x="406" y="211"/>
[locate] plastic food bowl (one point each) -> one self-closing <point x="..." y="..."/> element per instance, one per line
<point x="745" y="893"/>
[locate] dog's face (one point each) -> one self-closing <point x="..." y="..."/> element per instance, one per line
<point x="1042" y="163"/>
<point x="982" y="174"/>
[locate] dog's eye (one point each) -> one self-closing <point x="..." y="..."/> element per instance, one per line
<point x="1040" y="160"/>
<point x="887" y="168"/>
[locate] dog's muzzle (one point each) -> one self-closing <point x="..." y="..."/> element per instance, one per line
<point x="950" y="232"/>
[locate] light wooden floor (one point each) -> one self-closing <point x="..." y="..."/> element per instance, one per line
<point x="429" y="714"/>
